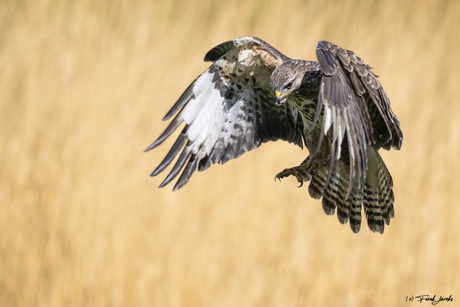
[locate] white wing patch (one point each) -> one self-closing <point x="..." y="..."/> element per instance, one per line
<point x="335" y="118"/>
<point x="204" y="115"/>
<point x="327" y="119"/>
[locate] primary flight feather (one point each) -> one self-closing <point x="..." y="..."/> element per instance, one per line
<point x="336" y="107"/>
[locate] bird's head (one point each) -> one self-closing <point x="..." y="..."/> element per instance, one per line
<point x="286" y="79"/>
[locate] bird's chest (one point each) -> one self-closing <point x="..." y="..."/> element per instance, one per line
<point x="307" y="109"/>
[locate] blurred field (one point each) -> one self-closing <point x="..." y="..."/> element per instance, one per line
<point x="83" y="88"/>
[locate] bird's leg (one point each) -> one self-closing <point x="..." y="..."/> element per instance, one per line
<point x="305" y="170"/>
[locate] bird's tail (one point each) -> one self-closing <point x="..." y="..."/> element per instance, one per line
<point x="375" y="193"/>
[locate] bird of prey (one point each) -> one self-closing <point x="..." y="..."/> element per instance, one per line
<point x="336" y="107"/>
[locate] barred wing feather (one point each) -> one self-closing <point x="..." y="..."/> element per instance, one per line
<point x="228" y="110"/>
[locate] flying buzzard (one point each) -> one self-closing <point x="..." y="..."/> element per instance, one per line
<point x="336" y="107"/>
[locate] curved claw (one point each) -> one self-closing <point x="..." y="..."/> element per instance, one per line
<point x="289" y="172"/>
<point x="280" y="175"/>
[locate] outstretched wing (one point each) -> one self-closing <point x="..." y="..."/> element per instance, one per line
<point x="228" y="110"/>
<point x="355" y="107"/>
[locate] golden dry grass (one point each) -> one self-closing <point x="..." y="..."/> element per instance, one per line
<point x="83" y="86"/>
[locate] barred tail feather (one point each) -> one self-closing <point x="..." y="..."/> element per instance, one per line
<point x="334" y="195"/>
<point x="378" y="193"/>
<point x="354" y="203"/>
<point x="375" y="195"/>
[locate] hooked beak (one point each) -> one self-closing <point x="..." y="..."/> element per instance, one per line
<point x="280" y="98"/>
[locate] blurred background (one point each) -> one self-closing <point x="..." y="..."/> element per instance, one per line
<point x="83" y="88"/>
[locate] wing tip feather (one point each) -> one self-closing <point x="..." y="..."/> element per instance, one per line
<point x="186" y="96"/>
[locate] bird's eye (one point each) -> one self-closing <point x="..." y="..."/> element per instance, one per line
<point x="289" y="86"/>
